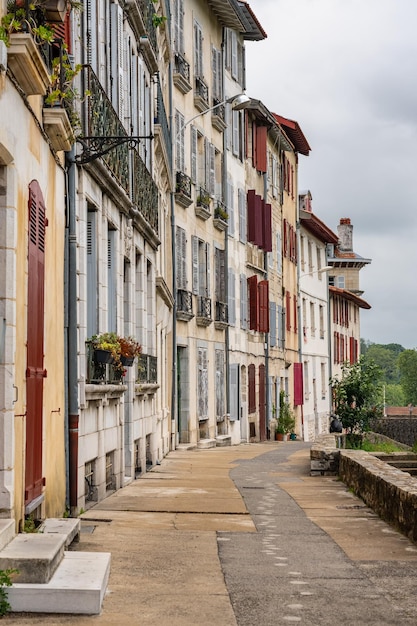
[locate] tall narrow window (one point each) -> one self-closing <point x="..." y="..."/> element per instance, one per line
<point x="220" y="283"/>
<point x="201" y="267"/>
<point x="220" y="386"/>
<point x="181" y="257"/>
<point x="202" y="383"/>
<point x="198" y="50"/>
<point x="242" y="214"/>
<point x="231" y="297"/>
<point x="179" y="142"/>
<point x="111" y="281"/>
<point x="312" y="319"/>
<point x="251" y="389"/>
<point x="178" y="25"/>
<point x="91" y="287"/>
<point x="243" y="302"/>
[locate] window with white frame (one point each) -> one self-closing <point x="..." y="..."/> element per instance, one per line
<point x="179" y="142"/>
<point x="217" y="74"/>
<point x="201" y="267"/>
<point x="198" y="50"/>
<point x="92" y="292"/>
<point x="243" y="302"/>
<point x="313" y="319"/>
<point x="181" y="257"/>
<point x="178" y="26"/>
<point x="319" y="264"/>
<point x="202" y="383"/>
<point x="321" y="321"/>
<point x="111" y="280"/>
<point x="220" y="383"/>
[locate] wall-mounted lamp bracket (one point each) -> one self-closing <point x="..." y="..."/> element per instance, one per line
<point x="96" y="147"/>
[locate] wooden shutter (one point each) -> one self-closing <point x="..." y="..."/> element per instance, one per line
<point x="295" y="313"/>
<point x="207" y="257"/>
<point x="263" y="316"/>
<point x="243" y="302"/>
<point x="211" y="168"/>
<point x="272" y="324"/>
<point x="195" y="246"/>
<point x="91" y="274"/>
<point x="220" y="289"/>
<point x="230" y="206"/>
<point x="279" y="253"/>
<point x="251" y="389"/>
<point x="194" y="137"/>
<point x="267" y="227"/>
<point x="298" y="384"/>
<point x="251" y="215"/>
<point x="288" y="309"/>
<point x="202" y="383"/>
<point x="35" y="342"/>
<point x="231" y="298"/>
<point x="261" y="152"/>
<point x="253" y="303"/>
<point x="180" y="252"/>
<point x="234" y="391"/>
<point x="242" y="215"/>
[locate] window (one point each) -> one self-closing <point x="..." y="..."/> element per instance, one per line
<point x="258" y="304"/>
<point x="231" y="297"/>
<point x="201" y="267"/>
<point x="243" y="302"/>
<point x="92" y="286"/>
<point x="230" y="206"/>
<point x="242" y="214"/>
<point x="181" y="258"/>
<point x="217" y="74"/>
<point x="279" y="253"/>
<point x="310" y="256"/>
<point x="219" y="269"/>
<point x="321" y="320"/>
<point x="220" y="384"/>
<point x="178" y="26"/>
<point x="111" y="280"/>
<point x="306" y="381"/>
<point x="179" y="142"/>
<point x="319" y="265"/>
<point x="323" y="380"/>
<point x="273" y="324"/>
<point x="302" y="252"/>
<point x="198" y="50"/>
<point x="251" y="389"/>
<point x="340" y="282"/>
<point x="313" y="319"/>
<point x="202" y="383"/>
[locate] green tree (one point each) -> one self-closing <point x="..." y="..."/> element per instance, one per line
<point x="357" y="395"/>
<point x="394" y="395"/>
<point x="407" y="364"/>
<point x="386" y="360"/>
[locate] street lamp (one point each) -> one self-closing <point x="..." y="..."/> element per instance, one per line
<point x="320" y="271"/>
<point x="238" y="102"/>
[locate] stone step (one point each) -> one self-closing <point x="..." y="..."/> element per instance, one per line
<point x="77" y="586"/>
<point x="68" y="526"/>
<point x="36" y="556"/>
<point x="6" y="532"/>
<point x="223" y="440"/>
<point x="203" y="444"/>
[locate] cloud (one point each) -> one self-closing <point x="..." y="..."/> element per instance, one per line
<point x="345" y="70"/>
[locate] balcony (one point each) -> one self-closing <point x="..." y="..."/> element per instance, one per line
<point x="203" y="317"/>
<point x="201" y="97"/>
<point x="145" y="192"/>
<point x="183" y="190"/>
<point x="222" y="319"/>
<point x="184" y="305"/>
<point x="101" y="373"/>
<point x="161" y="127"/>
<point x="147" y="379"/>
<point x="220" y="216"/>
<point x="141" y="14"/>
<point x="203" y="204"/>
<point x="218" y="115"/>
<point x="181" y="74"/>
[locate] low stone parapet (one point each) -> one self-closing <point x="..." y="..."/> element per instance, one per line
<point x="390" y="492"/>
<point x="324" y="455"/>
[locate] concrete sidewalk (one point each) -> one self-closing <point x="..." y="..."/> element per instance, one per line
<point x="181" y="539"/>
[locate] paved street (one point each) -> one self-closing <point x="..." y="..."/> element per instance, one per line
<point x="244" y="536"/>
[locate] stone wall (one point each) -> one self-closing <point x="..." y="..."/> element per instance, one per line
<point x="403" y="429"/>
<point x="391" y="493"/>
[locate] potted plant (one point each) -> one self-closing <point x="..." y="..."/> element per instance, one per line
<point x="106" y="348"/>
<point x="221" y="213"/>
<point x="286" y="420"/>
<point x="129" y="349"/>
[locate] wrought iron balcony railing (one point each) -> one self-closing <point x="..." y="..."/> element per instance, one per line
<point x="204" y="311"/>
<point x="183" y="189"/>
<point x="184" y="305"/>
<point x="162" y="120"/>
<point x="145" y="192"/>
<point x="147" y="369"/>
<point x="99" y="372"/>
<point x="181" y="66"/>
<point x="221" y="312"/>
<point x="201" y="88"/>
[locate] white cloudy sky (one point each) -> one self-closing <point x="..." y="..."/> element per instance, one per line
<point x="346" y="70"/>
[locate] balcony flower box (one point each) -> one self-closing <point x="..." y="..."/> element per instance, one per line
<point x="58" y="128"/>
<point x="27" y="65"/>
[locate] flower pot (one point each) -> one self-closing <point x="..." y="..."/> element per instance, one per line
<point x="127" y="361"/>
<point x="103" y="356"/>
<point x="279" y="437"/>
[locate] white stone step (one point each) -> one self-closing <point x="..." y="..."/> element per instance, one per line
<point x="6" y="532"/>
<point x="77" y="586"/>
<point x="68" y="526"/>
<point x="203" y="444"/>
<point x="35" y="555"/>
<point x="223" y="440"/>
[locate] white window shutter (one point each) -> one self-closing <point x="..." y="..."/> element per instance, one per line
<point x="242" y="215"/>
<point x="195" y="243"/>
<point x="231" y="297"/>
<point x="194" y="154"/>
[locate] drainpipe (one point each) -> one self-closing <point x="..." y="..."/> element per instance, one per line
<point x="299" y="320"/>
<point x="72" y="337"/>
<point x="226" y="254"/>
<point x="267" y="390"/>
<point x="174" y="382"/>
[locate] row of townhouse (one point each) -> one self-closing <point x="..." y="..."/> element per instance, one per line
<point x="160" y="202"/>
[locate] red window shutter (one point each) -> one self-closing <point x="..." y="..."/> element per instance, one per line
<point x="250" y="196"/>
<point x="261" y="136"/>
<point x="264" y="306"/>
<point x="258" y="221"/>
<point x="298" y="384"/>
<point x="284" y="228"/>
<point x="267" y="227"/>
<point x="253" y="303"/>
<point x="288" y="309"/>
<point x="295" y="313"/>
<point x="251" y="389"/>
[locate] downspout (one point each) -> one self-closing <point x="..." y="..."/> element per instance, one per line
<point x="174" y="382"/>
<point x="72" y="348"/>
<point x="299" y="320"/>
<point x="267" y="390"/>
<point x="226" y="251"/>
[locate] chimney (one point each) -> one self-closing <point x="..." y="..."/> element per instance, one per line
<point x="344" y="231"/>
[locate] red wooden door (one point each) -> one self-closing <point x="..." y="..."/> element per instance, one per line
<point x="262" y="400"/>
<point x="35" y="335"/>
